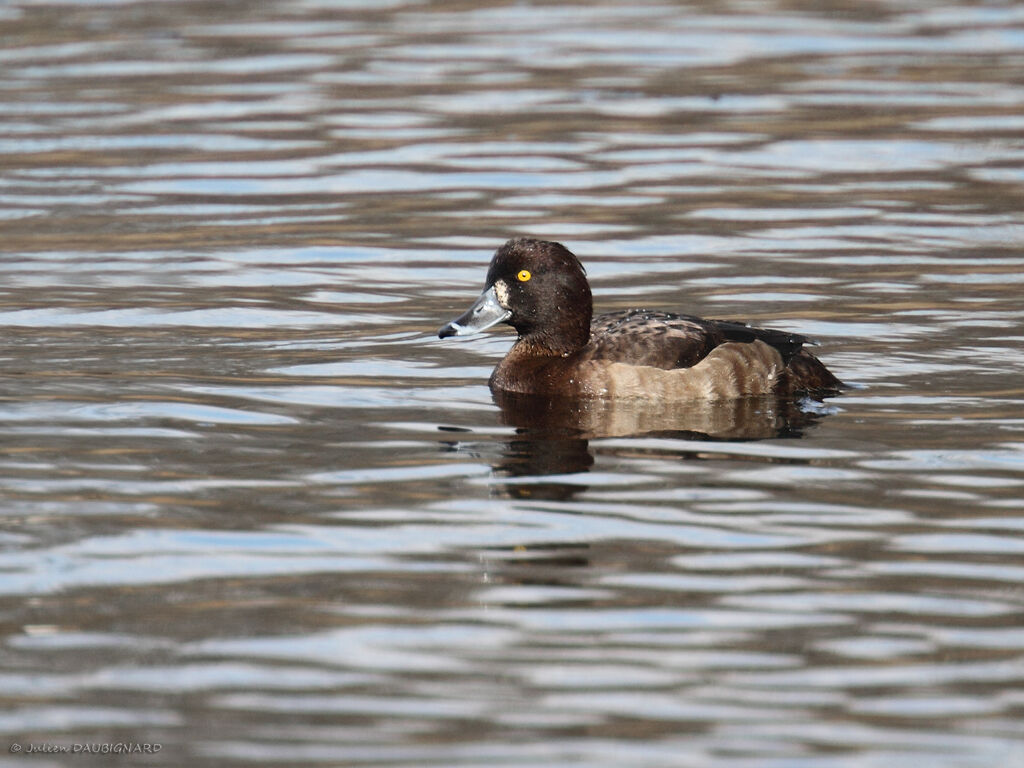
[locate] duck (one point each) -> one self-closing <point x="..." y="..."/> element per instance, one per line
<point x="540" y="288"/>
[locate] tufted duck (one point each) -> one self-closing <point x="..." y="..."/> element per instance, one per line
<point x="540" y="288"/>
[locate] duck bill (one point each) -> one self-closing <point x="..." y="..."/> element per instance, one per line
<point x="481" y="316"/>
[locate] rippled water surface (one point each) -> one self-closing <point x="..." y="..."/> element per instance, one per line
<point x="256" y="513"/>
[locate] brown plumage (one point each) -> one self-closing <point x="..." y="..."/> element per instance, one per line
<point x="540" y="288"/>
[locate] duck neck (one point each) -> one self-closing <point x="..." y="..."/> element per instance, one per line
<point x="534" y="347"/>
<point x="571" y="335"/>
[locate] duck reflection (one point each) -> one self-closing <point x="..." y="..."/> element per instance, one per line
<point x="553" y="434"/>
<point x="747" y="418"/>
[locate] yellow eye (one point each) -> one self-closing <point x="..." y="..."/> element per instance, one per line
<point x="524" y="275"/>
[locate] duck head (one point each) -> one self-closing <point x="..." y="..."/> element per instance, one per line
<point x="540" y="289"/>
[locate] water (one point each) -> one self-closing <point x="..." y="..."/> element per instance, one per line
<point x="255" y="513"/>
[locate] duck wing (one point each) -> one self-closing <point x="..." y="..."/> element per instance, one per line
<point x="658" y="339"/>
<point x="667" y="340"/>
<point x="788" y="344"/>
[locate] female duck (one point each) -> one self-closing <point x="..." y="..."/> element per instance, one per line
<point x="540" y="289"/>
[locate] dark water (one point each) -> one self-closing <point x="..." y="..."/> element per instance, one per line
<point x="255" y="513"/>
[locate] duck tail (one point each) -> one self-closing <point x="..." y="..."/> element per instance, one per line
<point x="805" y="373"/>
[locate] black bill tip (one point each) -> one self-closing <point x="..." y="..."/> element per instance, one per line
<point x="451" y="329"/>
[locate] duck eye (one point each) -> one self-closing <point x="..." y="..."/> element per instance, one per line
<point x="524" y="275"/>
